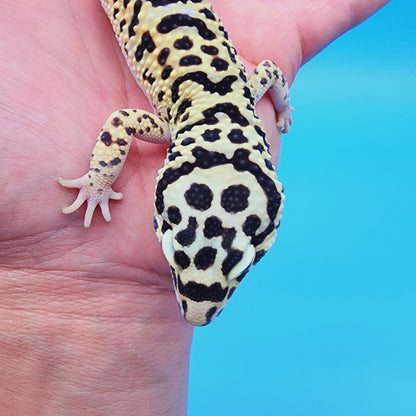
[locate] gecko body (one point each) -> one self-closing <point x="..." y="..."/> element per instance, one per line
<point x="217" y="202"/>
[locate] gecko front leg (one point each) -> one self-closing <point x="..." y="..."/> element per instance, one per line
<point x="108" y="157"/>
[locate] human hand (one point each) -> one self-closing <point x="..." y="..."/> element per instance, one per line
<point x="89" y="318"/>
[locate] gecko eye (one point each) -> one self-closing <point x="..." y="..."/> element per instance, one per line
<point x="244" y="264"/>
<point x="167" y="247"/>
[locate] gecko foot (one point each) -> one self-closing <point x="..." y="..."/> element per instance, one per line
<point x="92" y="195"/>
<point x="284" y="119"/>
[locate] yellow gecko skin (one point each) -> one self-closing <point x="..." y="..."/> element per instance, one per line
<point x="218" y="202"/>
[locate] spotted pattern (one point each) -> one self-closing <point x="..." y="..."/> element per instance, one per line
<point x="187" y="236"/>
<point x="217" y="201"/>
<point x="235" y="198"/>
<point x="199" y="196"/>
<point x="174" y="215"/>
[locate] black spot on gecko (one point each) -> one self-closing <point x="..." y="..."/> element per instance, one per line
<point x="199" y="196"/>
<point x="228" y="238"/>
<point x="190" y="60"/>
<point x="236" y="136"/>
<point x="249" y="95"/>
<point x="235" y="198"/>
<point x="208" y="14"/>
<point x="146" y="44"/>
<point x="157" y="3"/>
<point x="231" y="52"/>
<point x="122" y="24"/>
<point x="206" y="159"/>
<point x="171" y="146"/>
<point x="134" y="18"/>
<point x="174" y="215"/>
<point x="219" y="64"/>
<point x="130" y="130"/>
<point x="187" y="141"/>
<point x="151" y="79"/>
<point x="233" y="257"/>
<point x="213" y="227"/>
<point x="199" y="292"/>
<point x="251" y="225"/>
<point x="165" y="226"/>
<point x="163" y="56"/>
<point x="211" y="135"/>
<point x="259" y="147"/>
<point x="222" y="29"/>
<point x="205" y="258"/>
<point x="182" y="259"/>
<point x="174" y="21"/>
<point x="183" y="44"/>
<point x="187" y="236"/>
<point x="183" y="106"/>
<point x="166" y="72"/>
<point x="260" y="132"/>
<point x="210" y="313"/>
<point x="269" y="164"/>
<point x="173" y="156"/>
<point x="106" y="138"/>
<point x="222" y="87"/>
<point x="231" y="110"/>
<point x="116" y="122"/>
<point x="243" y="75"/>
<point x="209" y="50"/>
<point x="115" y="161"/>
<point x="121" y="142"/>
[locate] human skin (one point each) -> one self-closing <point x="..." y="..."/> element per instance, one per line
<point x="88" y="319"/>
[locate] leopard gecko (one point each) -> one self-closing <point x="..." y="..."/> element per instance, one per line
<point x="217" y="202"/>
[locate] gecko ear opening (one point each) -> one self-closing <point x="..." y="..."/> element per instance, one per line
<point x="244" y="264"/>
<point x="167" y="247"/>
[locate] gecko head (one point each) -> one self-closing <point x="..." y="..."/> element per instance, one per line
<point x="205" y="278"/>
<point x="214" y="224"/>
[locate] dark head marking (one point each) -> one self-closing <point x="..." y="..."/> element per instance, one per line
<point x="235" y="198"/>
<point x="199" y="196"/>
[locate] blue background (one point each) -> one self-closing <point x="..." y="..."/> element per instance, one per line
<point x="325" y="324"/>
